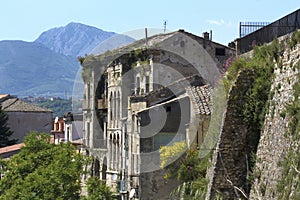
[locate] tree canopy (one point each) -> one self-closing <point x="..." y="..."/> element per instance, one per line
<point x="42" y="171"/>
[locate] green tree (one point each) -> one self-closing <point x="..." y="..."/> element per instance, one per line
<point x="190" y="170"/>
<point x="42" y="171"/>
<point x="97" y="190"/>
<point x="59" y="106"/>
<point x="5" y="132"/>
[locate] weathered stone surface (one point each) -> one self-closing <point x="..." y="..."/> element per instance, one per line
<point x="229" y="164"/>
<point x="273" y="144"/>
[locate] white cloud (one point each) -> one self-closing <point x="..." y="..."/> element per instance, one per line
<point x="219" y="22"/>
<point x="216" y="22"/>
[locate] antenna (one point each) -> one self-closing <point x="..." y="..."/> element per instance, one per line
<point x="165" y="25"/>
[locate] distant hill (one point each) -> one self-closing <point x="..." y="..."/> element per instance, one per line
<point x="74" y="39"/>
<point x="29" y="68"/>
<point x="48" y="66"/>
<point x="113" y="42"/>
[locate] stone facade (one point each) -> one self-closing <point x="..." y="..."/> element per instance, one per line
<point x="121" y="92"/>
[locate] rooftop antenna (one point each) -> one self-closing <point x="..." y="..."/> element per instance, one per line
<point x="165" y="25"/>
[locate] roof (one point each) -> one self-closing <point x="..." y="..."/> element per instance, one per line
<point x="14" y="104"/>
<point x="9" y="150"/>
<point x="152" y="41"/>
<point x="180" y="97"/>
<point x="2" y="96"/>
<point x="201" y="99"/>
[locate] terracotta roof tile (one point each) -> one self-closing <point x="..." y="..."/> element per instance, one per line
<point x="201" y="99"/>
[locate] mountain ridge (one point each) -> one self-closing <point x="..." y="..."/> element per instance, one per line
<point x="74" y="39"/>
<point x="48" y="66"/>
<point x="29" y="68"/>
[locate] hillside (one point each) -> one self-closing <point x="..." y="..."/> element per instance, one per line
<point x="28" y="68"/>
<point x="48" y="66"/>
<point x="73" y="39"/>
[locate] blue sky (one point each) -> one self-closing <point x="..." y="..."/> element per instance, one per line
<point x="27" y="19"/>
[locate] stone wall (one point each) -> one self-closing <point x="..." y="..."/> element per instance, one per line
<point x="155" y="187"/>
<point x="229" y="174"/>
<point x="229" y="168"/>
<point x="273" y="145"/>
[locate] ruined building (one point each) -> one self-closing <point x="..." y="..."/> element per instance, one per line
<point x="140" y="97"/>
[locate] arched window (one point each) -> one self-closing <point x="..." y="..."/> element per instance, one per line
<point x="97" y="168"/>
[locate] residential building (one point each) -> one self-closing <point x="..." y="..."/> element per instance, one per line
<point x="149" y="94"/>
<point x="25" y="117"/>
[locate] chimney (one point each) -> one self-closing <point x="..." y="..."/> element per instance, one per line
<point x="205" y="35"/>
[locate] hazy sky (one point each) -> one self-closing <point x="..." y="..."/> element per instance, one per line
<point x="27" y="19"/>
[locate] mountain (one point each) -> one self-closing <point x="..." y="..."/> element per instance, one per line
<point x="48" y="66"/>
<point x="74" y="39"/>
<point x="113" y="42"/>
<point x="29" y="68"/>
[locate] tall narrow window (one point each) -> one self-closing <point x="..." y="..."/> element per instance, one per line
<point x="111" y="151"/>
<point x="115" y="109"/>
<point x="88" y="95"/>
<point x="118" y="108"/>
<point x="110" y="107"/>
<point x="147" y="84"/>
<point x="138" y="86"/>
